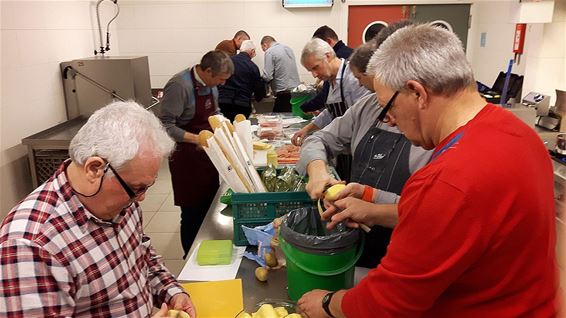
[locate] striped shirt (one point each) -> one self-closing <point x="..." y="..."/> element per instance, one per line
<point x="58" y="260"/>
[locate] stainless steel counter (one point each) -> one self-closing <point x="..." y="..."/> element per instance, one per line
<point x="217" y="226"/>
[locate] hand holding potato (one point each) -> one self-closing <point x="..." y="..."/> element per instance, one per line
<point x="352" y="189"/>
<point x="182" y="302"/>
<point x="318" y="183"/>
<point x="353" y="212"/>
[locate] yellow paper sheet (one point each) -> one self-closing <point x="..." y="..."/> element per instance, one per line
<point x="219" y="299"/>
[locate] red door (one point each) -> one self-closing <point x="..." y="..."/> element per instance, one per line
<point x="361" y="18"/>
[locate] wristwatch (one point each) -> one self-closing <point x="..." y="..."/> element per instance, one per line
<point x="326" y="303"/>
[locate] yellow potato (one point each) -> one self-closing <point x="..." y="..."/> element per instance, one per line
<point x="266" y="311"/>
<point x="332" y="192"/>
<point x="293" y="316"/>
<point x="177" y="313"/>
<point x="270" y="259"/>
<point x="261" y="274"/>
<point x="244" y="314"/>
<point x="281" y="312"/>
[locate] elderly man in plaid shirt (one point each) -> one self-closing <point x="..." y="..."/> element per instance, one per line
<point x="75" y="246"/>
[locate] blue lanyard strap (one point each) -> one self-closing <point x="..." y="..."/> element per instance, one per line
<point x="450" y="143"/>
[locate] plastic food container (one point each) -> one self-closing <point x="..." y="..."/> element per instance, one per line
<point x="215" y="252"/>
<point x="270" y="126"/>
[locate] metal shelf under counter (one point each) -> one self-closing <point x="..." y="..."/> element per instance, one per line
<point x="49" y="148"/>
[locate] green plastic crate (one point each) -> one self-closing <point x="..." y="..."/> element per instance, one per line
<point x="254" y="209"/>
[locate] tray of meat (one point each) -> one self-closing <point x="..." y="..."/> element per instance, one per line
<point x="288" y="154"/>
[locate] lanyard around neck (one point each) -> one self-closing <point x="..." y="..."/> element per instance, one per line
<point x="449" y="144"/>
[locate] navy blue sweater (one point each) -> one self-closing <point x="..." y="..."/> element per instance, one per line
<point x="244" y="84"/>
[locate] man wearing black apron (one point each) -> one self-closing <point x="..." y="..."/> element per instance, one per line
<point x="190" y="97"/>
<point x="319" y="59"/>
<point x="382" y="157"/>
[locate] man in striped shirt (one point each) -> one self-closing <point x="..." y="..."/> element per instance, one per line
<point x="75" y="246"/>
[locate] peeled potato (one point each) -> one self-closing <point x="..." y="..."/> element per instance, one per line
<point x="293" y="316"/>
<point x="244" y="314"/>
<point x="177" y="313"/>
<point x="266" y="311"/>
<point x="261" y="274"/>
<point x="332" y="192"/>
<point x="281" y="311"/>
<point x="270" y="259"/>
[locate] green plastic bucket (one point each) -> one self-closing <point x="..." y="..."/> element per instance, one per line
<point x="296" y="103"/>
<point x="308" y="271"/>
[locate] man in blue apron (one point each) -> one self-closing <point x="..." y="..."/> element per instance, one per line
<point x="319" y="59"/>
<point x="382" y="157"/>
<point x="190" y="97"/>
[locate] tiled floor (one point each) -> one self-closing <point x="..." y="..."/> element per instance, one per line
<point x="162" y="221"/>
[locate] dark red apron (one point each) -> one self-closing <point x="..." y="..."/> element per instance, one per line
<point x="195" y="180"/>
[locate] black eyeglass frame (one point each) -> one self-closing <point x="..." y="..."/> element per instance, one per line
<point x="131" y="193"/>
<point x="383" y="113"/>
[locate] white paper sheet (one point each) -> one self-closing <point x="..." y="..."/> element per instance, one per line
<point x="194" y="272"/>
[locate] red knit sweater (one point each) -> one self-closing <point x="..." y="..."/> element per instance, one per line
<point x="476" y="231"/>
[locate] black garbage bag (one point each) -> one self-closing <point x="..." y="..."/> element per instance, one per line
<point x="304" y="229"/>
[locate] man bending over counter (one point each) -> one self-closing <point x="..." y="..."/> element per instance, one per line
<point x="75" y="246"/>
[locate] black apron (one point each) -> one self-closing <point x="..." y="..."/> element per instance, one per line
<point x="343" y="162"/>
<point x="381" y="160"/>
<point x="194" y="178"/>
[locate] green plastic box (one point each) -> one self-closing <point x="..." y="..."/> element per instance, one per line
<point x="214" y="252"/>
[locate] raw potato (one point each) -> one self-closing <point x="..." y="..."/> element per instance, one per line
<point x="270" y="259"/>
<point x="261" y="274"/>
<point x="177" y="313"/>
<point x="332" y="192"/>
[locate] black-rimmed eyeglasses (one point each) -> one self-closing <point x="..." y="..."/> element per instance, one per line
<point x="381" y="116"/>
<point x="131" y="193"/>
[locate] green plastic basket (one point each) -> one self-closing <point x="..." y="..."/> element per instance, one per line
<point x="254" y="209"/>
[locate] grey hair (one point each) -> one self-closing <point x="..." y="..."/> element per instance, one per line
<point x="427" y="54"/>
<point x="317" y="48"/>
<point x="115" y="132"/>
<point x="247" y="45"/>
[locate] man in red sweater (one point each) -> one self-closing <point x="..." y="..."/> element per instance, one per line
<point x="474" y="234"/>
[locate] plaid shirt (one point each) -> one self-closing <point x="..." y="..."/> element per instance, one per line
<point x="59" y="260"/>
